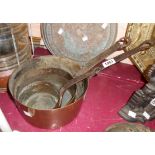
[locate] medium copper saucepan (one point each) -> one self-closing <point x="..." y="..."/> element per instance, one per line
<point x="49" y="90"/>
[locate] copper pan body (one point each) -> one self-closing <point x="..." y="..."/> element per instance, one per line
<point x="45" y="118"/>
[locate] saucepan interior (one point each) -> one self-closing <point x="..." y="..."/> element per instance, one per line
<point x="36" y="84"/>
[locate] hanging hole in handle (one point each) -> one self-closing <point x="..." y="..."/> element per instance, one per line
<point x="123" y="42"/>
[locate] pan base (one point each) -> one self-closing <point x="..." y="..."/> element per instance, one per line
<point x="41" y="101"/>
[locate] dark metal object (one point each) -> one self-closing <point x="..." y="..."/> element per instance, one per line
<point x="14" y="50"/>
<point x="142" y="101"/>
<point x="128" y="127"/>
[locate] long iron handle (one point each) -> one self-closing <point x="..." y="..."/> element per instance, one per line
<point x="144" y="46"/>
<point x="121" y="44"/>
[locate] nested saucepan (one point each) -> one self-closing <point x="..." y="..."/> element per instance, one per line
<point x="49" y="90"/>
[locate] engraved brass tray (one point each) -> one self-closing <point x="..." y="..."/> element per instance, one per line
<point x="139" y="32"/>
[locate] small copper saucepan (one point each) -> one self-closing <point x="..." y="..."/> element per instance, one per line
<point x="49" y="90"/>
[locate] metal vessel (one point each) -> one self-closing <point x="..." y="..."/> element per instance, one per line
<point x="128" y="127"/>
<point x="15" y="49"/>
<point x="31" y="85"/>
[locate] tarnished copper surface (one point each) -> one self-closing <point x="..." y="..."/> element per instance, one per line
<point x="36" y="110"/>
<point x="139" y="32"/>
<point x="127" y="127"/>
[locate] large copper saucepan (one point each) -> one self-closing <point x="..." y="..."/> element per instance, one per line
<point x="33" y="85"/>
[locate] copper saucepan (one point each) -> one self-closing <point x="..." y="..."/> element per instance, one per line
<point x="33" y="88"/>
<point x="49" y="90"/>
